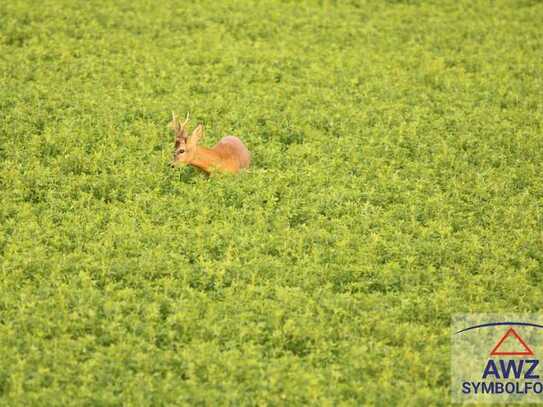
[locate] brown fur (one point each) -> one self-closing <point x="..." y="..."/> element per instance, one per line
<point x="228" y="155"/>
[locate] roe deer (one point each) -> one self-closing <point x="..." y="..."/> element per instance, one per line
<point x="228" y="155"/>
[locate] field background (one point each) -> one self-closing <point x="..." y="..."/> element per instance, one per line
<point x="396" y="180"/>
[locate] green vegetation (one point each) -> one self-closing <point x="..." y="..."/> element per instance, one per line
<point x="396" y="180"/>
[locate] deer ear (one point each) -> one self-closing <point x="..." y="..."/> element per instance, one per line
<point x="196" y="135"/>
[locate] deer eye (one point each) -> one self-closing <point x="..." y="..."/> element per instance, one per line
<point x="180" y="151"/>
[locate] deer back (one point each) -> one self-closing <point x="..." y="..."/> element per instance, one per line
<point x="232" y="148"/>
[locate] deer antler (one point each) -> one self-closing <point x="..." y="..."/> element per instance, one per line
<point x="173" y="123"/>
<point x="176" y="125"/>
<point x="186" y="120"/>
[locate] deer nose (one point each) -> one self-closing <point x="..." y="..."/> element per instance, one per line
<point x="172" y="165"/>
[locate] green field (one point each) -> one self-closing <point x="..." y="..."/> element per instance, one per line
<point x="397" y="179"/>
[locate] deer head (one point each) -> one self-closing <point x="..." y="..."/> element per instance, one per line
<point x="185" y="145"/>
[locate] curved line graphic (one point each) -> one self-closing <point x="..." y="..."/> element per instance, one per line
<point x="498" y="324"/>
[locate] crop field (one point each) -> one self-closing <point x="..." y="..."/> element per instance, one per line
<point x="396" y="180"/>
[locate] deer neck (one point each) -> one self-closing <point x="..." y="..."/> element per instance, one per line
<point x="205" y="159"/>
